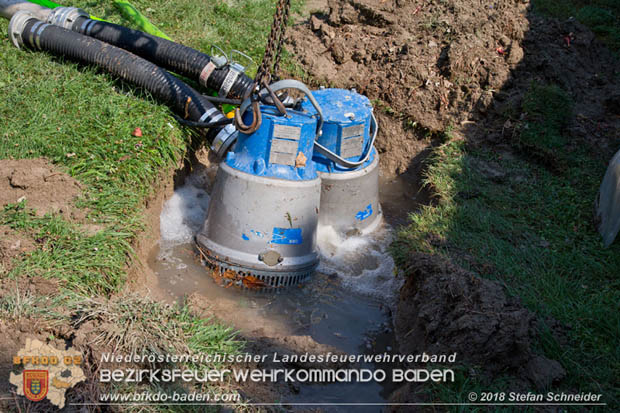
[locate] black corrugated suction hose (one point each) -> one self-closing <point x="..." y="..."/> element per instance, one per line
<point x="172" y="56"/>
<point x="184" y="100"/>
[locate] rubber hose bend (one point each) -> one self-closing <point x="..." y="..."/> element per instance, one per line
<point x="165" y="87"/>
<point x="172" y="56"/>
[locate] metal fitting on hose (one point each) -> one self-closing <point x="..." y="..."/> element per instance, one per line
<point x="224" y="140"/>
<point x="66" y="16"/>
<point x="234" y="70"/>
<point x="17" y="25"/>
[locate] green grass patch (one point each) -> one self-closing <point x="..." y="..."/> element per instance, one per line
<point x="86" y="264"/>
<point x="601" y="16"/>
<point x="550" y="111"/>
<point x="533" y="227"/>
<point x="82" y="120"/>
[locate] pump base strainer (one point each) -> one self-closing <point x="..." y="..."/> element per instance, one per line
<point x="225" y="274"/>
<point x="260" y="232"/>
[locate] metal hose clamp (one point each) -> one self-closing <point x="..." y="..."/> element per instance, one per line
<point x="218" y="60"/>
<point x="234" y="70"/>
<point x="224" y="140"/>
<point x="248" y="58"/>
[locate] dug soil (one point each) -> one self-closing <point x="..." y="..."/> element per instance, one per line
<point x="39" y="184"/>
<point x="458" y="69"/>
<point x="444" y="309"/>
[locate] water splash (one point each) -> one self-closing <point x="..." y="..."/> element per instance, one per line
<point x="362" y="262"/>
<point x="184" y="213"/>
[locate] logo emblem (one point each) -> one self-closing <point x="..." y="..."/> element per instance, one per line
<point x="35" y="384"/>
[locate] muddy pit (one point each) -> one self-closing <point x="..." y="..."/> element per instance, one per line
<point x="345" y="307"/>
<point x="429" y="68"/>
<point x="356" y="303"/>
<point x="426" y="66"/>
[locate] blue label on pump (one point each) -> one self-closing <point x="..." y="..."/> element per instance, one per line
<point x="362" y="215"/>
<point x="287" y="236"/>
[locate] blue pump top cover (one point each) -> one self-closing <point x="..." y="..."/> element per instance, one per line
<point x="282" y="147"/>
<point x="346" y="127"/>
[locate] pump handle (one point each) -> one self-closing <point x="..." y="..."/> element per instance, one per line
<point x="291" y="84"/>
<point x="343" y="162"/>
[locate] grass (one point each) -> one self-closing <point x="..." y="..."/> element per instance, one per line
<point x="534" y="228"/>
<point x="601" y="16"/>
<point x="82" y="120"/>
<point x="89" y="264"/>
<point x="132" y="325"/>
<point x="138" y="325"/>
<point x="550" y="112"/>
<point x="531" y="227"/>
<point x="18" y="305"/>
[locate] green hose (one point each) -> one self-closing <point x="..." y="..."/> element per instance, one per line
<point x="46" y="3"/>
<point x="51" y="5"/>
<point x="133" y="15"/>
<point x="127" y="10"/>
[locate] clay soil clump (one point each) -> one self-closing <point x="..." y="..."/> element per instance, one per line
<point x="43" y="187"/>
<point x="454" y="67"/>
<point x="445" y="309"/>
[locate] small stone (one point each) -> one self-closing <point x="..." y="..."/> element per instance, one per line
<point x="315" y="23"/>
<point x="339" y="53"/>
<point x="516" y="54"/>
<point x="432" y="44"/>
<point x="326" y="31"/>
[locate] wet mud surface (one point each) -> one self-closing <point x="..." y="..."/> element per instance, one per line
<point x="462" y="70"/>
<point x="345" y="307"/>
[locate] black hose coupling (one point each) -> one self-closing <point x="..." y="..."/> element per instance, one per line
<point x="228" y="80"/>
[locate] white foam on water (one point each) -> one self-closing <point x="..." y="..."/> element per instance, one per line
<point x="362" y="262"/>
<point x="184" y="213"/>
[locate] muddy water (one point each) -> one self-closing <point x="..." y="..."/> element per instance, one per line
<point x="345" y="305"/>
<point x="401" y="196"/>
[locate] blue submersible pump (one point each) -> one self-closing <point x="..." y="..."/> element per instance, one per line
<point x="312" y="163"/>
<point x="264" y="210"/>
